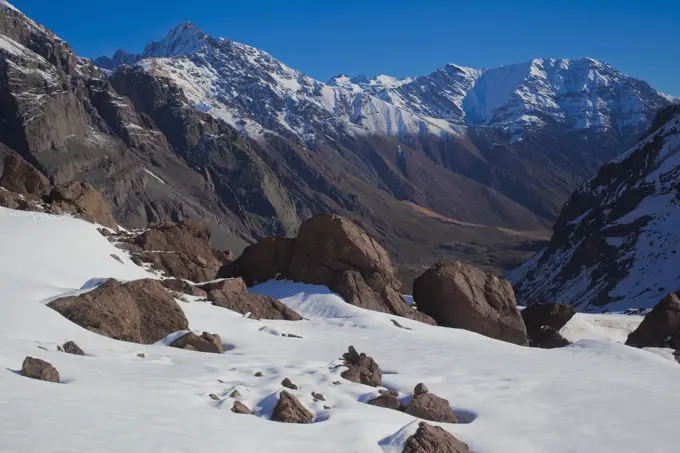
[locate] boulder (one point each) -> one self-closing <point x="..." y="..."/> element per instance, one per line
<point x="71" y="347"/>
<point x="332" y="251"/>
<point x="240" y="408"/>
<point x="21" y="177"/>
<point x="234" y="295"/>
<point x="361" y="369"/>
<point x="140" y="311"/>
<point x="552" y="314"/>
<point x="429" y="406"/>
<point x="207" y="342"/>
<point x="39" y="369"/>
<point x="318" y="396"/>
<point x="182" y="250"/>
<point x="290" y="410"/>
<point x="84" y="201"/>
<point x="420" y="388"/>
<point x="386" y="401"/>
<point x="434" y="439"/>
<point x="548" y="338"/>
<point x="462" y="296"/>
<point x="660" y="328"/>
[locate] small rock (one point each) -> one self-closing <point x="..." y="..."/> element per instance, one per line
<point x="318" y="396"/>
<point x="434" y="439"/>
<point x="430" y="407"/>
<point x="39" y="369"/>
<point x="141" y="355"/>
<point x="289" y="384"/>
<point x="240" y="408"/>
<point x="326" y="407"/>
<point x="290" y="410"/>
<point x="215" y="397"/>
<point x="44" y="348"/>
<point x="362" y="369"/>
<point x="259" y="374"/>
<point x="394" y="321"/>
<point x="420" y="388"/>
<point x="207" y="342"/>
<point x="292" y="335"/>
<point x="117" y="258"/>
<point x="59" y="348"/>
<point x="337" y="383"/>
<point x="71" y="348"/>
<point x="235" y="394"/>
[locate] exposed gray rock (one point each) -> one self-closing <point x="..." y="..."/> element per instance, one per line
<point x="39" y="369"/>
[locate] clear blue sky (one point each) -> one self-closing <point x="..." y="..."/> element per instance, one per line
<point x="399" y="37"/>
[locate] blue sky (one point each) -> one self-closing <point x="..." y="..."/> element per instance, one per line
<point x="398" y="37"/>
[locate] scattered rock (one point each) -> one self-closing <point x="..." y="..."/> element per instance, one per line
<point x="117" y="258"/>
<point x="288" y="384"/>
<point x="660" y="328"/>
<point x="420" y="388"/>
<point x="207" y="342"/>
<point x="21" y="177"/>
<point x="290" y="410"/>
<point x="326" y="407"/>
<point x="141" y="355"/>
<point x="259" y="374"/>
<point x="240" y="408"/>
<point x="39" y="369"/>
<point x="552" y="315"/>
<point x="318" y="396"/>
<point x="548" y="338"/>
<point x="59" y="348"/>
<point x="434" y="439"/>
<point x="337" y="383"/>
<point x="396" y="324"/>
<point x="215" y="397"/>
<point x="292" y="335"/>
<point x="235" y="394"/>
<point x="429" y="406"/>
<point x="462" y="296"/>
<point x="386" y="401"/>
<point x="140" y="311"/>
<point x="233" y="294"/>
<point x="362" y="369"/>
<point x="71" y="348"/>
<point x="83" y="200"/>
<point x="332" y="251"/>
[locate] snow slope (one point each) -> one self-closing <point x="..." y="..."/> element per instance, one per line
<point x="511" y="399"/>
<point x="627" y="216"/>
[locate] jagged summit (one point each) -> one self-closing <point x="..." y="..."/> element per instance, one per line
<point x="185" y="38"/>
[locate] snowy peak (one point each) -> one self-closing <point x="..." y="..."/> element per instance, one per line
<point x="181" y="40"/>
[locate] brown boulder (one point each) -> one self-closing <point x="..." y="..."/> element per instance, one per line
<point x="660" y="328"/>
<point x="207" y="342"/>
<point x="290" y="410"/>
<point x="21" y="177"/>
<point x="361" y="369"/>
<point x="462" y="296"/>
<point x="332" y="251"/>
<point x="71" y="347"/>
<point x="429" y="406"/>
<point x="84" y="201"/>
<point x="289" y="384"/>
<point x="240" y="408"/>
<point x="235" y="297"/>
<point x="39" y="369"/>
<point x="140" y="311"/>
<point x="181" y="249"/>
<point x="434" y="439"/>
<point x="387" y="401"/>
<point x="553" y="315"/>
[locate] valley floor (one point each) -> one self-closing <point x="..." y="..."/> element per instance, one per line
<point x="594" y="396"/>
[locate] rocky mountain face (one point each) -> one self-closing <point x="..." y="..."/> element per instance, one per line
<point x="616" y="242"/>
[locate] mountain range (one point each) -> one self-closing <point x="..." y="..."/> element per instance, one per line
<point x="460" y="163"/>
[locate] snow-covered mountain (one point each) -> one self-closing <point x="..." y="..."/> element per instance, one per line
<point x="255" y="92"/>
<point x="616" y="243"/>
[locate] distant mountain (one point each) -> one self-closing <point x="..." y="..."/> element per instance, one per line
<point x="616" y="243"/>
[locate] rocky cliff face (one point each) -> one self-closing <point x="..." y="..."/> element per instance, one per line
<point x="616" y="242"/>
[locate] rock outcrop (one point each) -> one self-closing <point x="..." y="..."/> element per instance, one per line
<point x="206" y="342"/>
<point x="39" y="369"/>
<point x="362" y="369"/>
<point x="544" y="321"/>
<point x="83" y="200"/>
<point x="332" y="251"/>
<point x="290" y="410"/>
<point x="21" y="177"/>
<point x="434" y="439"/>
<point x="660" y="328"/>
<point x="140" y="311"/>
<point x="462" y="296"/>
